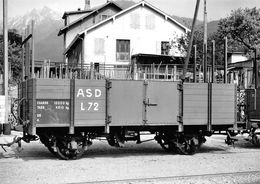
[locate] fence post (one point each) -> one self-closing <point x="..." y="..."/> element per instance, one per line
<point x="213" y="62"/>
<point x="175" y="73"/>
<point x="194" y="66"/>
<point x="225" y="60"/>
<point x="255" y="69"/>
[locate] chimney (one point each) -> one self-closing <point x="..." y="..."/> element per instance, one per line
<point x="87" y="5"/>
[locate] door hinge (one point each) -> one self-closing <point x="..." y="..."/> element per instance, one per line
<point x="180" y="119"/>
<point x="108" y="119"/>
<point x="180" y="86"/>
<point x="108" y="84"/>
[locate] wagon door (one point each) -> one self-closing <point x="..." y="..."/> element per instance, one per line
<point x="125" y="103"/>
<point x="162" y="102"/>
<point x="89" y="103"/>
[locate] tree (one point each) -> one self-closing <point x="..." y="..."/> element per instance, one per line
<point x="182" y="44"/>
<point x="14" y="55"/>
<point x="242" y="27"/>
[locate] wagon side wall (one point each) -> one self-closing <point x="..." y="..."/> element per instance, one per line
<point x="223" y="104"/>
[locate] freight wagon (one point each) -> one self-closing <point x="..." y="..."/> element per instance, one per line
<point x="67" y="114"/>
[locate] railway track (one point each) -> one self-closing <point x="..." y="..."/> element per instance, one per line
<point x="252" y="177"/>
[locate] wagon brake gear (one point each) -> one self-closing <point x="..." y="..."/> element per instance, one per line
<point x="166" y="141"/>
<point x="253" y="137"/>
<point x="230" y="140"/>
<point x="186" y="146"/>
<point x="73" y="145"/>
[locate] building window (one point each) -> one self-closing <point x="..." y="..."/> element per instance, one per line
<point x="93" y="19"/>
<point x="150" y="22"/>
<point x="99" y="46"/>
<point x="135" y="21"/>
<point x="165" y="48"/>
<point x="103" y="17"/>
<point x="123" y="50"/>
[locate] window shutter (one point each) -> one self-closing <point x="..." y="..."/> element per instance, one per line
<point x="158" y="47"/>
<point x="135" y="21"/>
<point x="150" y="22"/>
<point x="99" y="46"/>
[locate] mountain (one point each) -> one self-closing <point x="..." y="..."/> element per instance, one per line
<point x="41" y="16"/>
<point x="212" y="26"/>
<point x="47" y="24"/>
<point x="185" y="21"/>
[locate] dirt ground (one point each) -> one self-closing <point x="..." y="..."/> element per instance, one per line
<point x="135" y="163"/>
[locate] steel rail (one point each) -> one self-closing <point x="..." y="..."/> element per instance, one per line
<point x="154" y="179"/>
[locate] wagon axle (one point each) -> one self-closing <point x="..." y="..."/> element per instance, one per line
<point x="180" y="143"/>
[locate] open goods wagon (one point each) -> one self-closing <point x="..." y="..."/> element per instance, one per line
<point x="252" y="114"/>
<point x="66" y="114"/>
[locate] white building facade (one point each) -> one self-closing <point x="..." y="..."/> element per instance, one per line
<point x="141" y="28"/>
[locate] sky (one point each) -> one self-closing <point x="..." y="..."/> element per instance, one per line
<point x="185" y="8"/>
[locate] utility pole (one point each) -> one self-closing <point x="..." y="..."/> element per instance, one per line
<point x="225" y="60"/>
<point x="23" y="71"/>
<point x="191" y="40"/>
<point x="213" y="62"/>
<point x="255" y="68"/>
<point x="32" y="45"/>
<point x="205" y="67"/>
<point x="5" y="58"/>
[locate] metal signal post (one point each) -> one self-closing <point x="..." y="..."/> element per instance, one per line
<point x="5" y="28"/>
<point x="205" y="61"/>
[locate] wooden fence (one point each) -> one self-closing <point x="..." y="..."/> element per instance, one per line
<point x="171" y="72"/>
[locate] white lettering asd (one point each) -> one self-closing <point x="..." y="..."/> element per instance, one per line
<point x="89" y="93"/>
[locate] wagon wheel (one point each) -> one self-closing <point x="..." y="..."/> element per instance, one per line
<point x="65" y="153"/>
<point x="51" y="150"/>
<point x="166" y="142"/>
<point x="111" y="140"/>
<point x="186" y="147"/>
<point x="255" y="140"/>
<point x="46" y="143"/>
<point x="167" y="145"/>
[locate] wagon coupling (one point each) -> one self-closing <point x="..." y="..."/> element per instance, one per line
<point x="15" y="140"/>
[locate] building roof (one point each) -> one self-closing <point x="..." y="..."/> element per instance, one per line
<point x="78" y="36"/>
<point x="237" y="53"/>
<point x="240" y="65"/>
<point x="157" y="59"/>
<point x="77" y="12"/>
<point x="87" y="12"/>
<point x="141" y="3"/>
